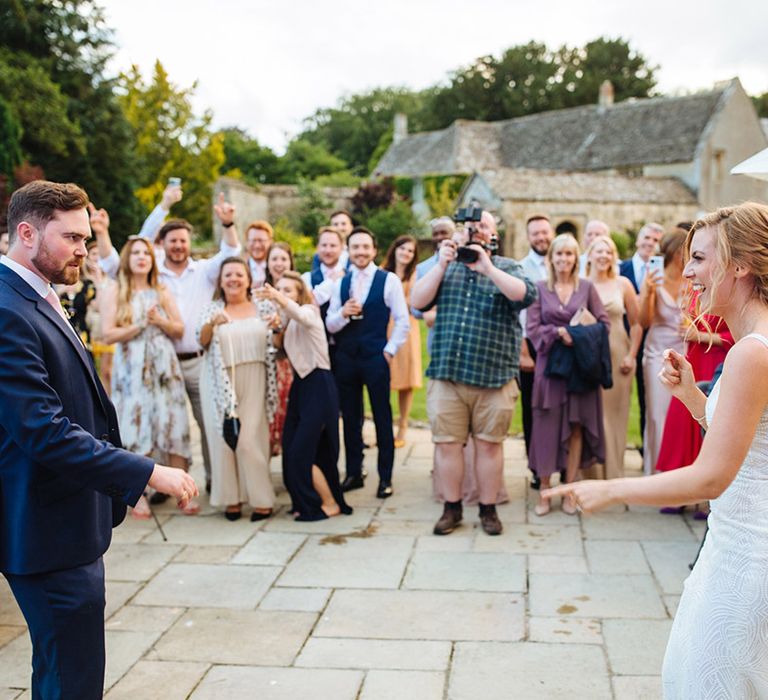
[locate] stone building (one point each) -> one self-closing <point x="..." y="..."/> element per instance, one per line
<point x="664" y="159"/>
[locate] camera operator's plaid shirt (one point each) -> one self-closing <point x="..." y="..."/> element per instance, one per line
<point x="476" y="336"/>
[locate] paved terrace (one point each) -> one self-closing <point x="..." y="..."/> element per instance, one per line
<point x="372" y="606"/>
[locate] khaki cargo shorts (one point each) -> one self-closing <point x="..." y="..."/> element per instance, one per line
<point x="457" y="411"/>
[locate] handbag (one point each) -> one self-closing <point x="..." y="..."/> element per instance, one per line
<point x="582" y="317"/>
<point x="230" y="430"/>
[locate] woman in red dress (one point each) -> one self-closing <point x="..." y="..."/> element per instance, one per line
<point x="682" y="438"/>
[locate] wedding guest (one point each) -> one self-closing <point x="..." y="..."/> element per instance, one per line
<point x="405" y="369"/>
<point x="141" y="317"/>
<point x="619" y="300"/>
<point x="568" y="433"/>
<point x="311" y="434"/>
<point x="660" y="312"/>
<point x="237" y="378"/>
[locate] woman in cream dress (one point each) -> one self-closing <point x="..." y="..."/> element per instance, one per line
<point x="237" y="374"/>
<point x="619" y="299"/>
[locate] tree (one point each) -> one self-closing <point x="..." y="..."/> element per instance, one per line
<point x="171" y="141"/>
<point x="352" y="130"/>
<point x="10" y="141"/>
<point x="305" y="160"/>
<point x="761" y="105"/>
<point x="583" y="70"/>
<point x="256" y="163"/>
<point x="52" y="58"/>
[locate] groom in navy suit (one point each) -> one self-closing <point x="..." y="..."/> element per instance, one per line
<point x="64" y="481"/>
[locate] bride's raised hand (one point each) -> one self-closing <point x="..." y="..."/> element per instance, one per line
<point x="677" y="375"/>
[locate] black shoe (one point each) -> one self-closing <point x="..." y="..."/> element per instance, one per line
<point x="255" y="517"/>
<point x="157" y="498"/>
<point x="352" y="482"/>
<point x="489" y="520"/>
<point x="449" y="520"/>
<point x="535" y="482"/>
<point x="385" y="489"/>
<point x="233" y="515"/>
<point x="208" y="486"/>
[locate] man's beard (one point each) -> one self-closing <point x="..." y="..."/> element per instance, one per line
<point x="542" y="253"/>
<point x="54" y="270"/>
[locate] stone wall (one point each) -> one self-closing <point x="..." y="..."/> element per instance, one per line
<point x="271" y="202"/>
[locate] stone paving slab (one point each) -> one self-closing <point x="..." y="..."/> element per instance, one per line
<point x="9" y="610"/>
<point x="205" y="530"/>
<point x="562" y="630"/>
<point x="124" y="649"/>
<point x="632" y="525"/>
<point x="358" y="521"/>
<point x="16" y="662"/>
<point x="269" y="548"/>
<point x="615" y="557"/>
<point x="278" y="684"/>
<point x="377" y="562"/>
<point x="528" y="670"/>
<point x="206" y="554"/>
<point x="118" y="594"/>
<point x="626" y="656"/>
<point x="466" y="571"/>
<point x="125" y="562"/>
<point x="396" y="685"/>
<point x="207" y="586"/>
<point x="299" y="599"/>
<point x="669" y="562"/>
<point x="423" y="615"/>
<point x="637" y="687"/>
<point x="595" y="595"/>
<point x="140" y="618"/>
<point x="535" y="539"/>
<point x="169" y="680"/>
<point x="221" y="636"/>
<point x="556" y="564"/>
<point x="10" y="693"/>
<point x="399" y="654"/>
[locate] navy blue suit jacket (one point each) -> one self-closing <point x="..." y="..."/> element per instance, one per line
<point x="627" y="269"/>
<point x="63" y="481"/>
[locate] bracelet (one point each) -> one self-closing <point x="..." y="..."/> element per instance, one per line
<point x="698" y="420"/>
<point x="229" y="225"/>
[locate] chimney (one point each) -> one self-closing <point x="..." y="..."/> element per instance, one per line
<point x="400" y="127"/>
<point x="606" y="94"/>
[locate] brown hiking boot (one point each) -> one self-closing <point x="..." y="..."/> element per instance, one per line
<point x="489" y="520"/>
<point x="449" y="520"/>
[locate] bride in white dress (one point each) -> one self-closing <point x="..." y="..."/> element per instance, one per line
<point x="718" y="647"/>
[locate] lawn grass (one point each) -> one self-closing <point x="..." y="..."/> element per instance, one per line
<point x="419" y="410"/>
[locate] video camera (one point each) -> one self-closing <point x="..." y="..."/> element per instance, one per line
<point x="469" y="216"/>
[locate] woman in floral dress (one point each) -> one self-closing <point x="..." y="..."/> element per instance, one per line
<point x="141" y="318"/>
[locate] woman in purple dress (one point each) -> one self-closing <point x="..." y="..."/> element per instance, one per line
<point x="567" y="427"/>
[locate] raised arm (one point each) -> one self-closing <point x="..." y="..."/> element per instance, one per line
<point x="742" y="401"/>
<point x="426" y="288"/>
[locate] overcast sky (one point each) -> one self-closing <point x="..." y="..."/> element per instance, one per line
<point x="265" y="66"/>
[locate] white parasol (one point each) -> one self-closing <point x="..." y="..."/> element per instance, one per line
<point x="755" y="166"/>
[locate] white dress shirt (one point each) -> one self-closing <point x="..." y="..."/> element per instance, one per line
<point x="535" y="269"/>
<point x="193" y="289"/>
<point x="394" y="300"/>
<point x="323" y="291"/>
<point x="149" y="229"/>
<point x="40" y="285"/>
<point x="258" y="272"/>
<point x="639" y="267"/>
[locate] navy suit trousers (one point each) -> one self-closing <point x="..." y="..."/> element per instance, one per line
<point x="64" y="611"/>
<point x="352" y="373"/>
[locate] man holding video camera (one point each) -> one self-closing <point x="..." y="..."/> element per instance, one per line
<point x="475" y="355"/>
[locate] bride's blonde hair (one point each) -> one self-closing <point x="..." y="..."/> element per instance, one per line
<point x="741" y="238"/>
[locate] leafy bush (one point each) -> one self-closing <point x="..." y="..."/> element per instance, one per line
<point x="390" y="222"/>
<point x="303" y="246"/>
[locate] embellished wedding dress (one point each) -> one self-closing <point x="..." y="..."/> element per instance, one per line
<point x="718" y="646"/>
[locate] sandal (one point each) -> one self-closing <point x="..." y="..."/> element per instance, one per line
<point x="568" y="505"/>
<point x="192" y="508"/>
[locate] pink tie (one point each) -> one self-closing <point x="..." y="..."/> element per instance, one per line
<point x="360" y="278"/>
<point x="54" y="301"/>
